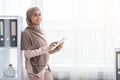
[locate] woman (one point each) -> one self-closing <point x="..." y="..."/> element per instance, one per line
<point x="35" y="47"/>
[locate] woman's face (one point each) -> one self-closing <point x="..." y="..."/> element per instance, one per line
<point x="36" y="18"/>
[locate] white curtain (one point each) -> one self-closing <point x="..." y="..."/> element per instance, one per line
<point x="91" y="27"/>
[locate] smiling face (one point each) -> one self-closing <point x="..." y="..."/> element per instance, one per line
<point x="36" y="18"/>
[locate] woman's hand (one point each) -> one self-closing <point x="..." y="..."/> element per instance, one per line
<point x="57" y="48"/>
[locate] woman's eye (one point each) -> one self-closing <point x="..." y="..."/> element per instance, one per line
<point x="35" y="15"/>
<point x="39" y="14"/>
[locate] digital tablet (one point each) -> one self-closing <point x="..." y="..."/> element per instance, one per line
<point x="59" y="42"/>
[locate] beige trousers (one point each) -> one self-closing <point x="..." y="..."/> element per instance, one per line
<point x="46" y="76"/>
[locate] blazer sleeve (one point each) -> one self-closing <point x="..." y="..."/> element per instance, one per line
<point x="32" y="53"/>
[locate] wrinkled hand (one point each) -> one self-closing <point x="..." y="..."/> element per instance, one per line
<point x="57" y="48"/>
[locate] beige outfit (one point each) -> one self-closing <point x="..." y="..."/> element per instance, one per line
<point x="45" y="74"/>
<point x="35" y="48"/>
<point x="32" y="53"/>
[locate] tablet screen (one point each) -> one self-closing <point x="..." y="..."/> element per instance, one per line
<point x="59" y="42"/>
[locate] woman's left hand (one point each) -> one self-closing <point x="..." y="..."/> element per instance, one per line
<point x="57" y="48"/>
